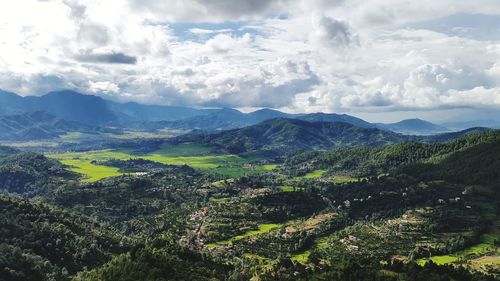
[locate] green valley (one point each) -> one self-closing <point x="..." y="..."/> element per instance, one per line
<point x="158" y="205"/>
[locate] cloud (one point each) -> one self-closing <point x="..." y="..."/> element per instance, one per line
<point x="306" y="55"/>
<point x="201" y="31"/>
<point x="94" y="34"/>
<point x="207" y="10"/>
<point x="274" y="86"/>
<point x="112" y="57"/>
<point x="223" y="43"/>
<point x="331" y="32"/>
<point x="103" y="87"/>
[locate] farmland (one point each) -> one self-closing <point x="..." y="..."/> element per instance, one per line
<point x="199" y="157"/>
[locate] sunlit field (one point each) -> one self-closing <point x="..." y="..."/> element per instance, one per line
<point x="195" y="156"/>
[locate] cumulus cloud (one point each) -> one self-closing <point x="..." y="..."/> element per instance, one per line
<point x="304" y="55"/>
<point x="331" y="32"/>
<point x="223" y="43"/>
<point x="103" y="87"/>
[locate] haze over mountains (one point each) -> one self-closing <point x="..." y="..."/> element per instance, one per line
<point x="55" y="113"/>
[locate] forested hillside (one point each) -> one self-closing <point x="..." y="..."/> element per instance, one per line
<point x="283" y="135"/>
<point x="40" y="242"/>
<point x="401" y="211"/>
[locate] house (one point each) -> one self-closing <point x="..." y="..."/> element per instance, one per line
<point x="353" y="248"/>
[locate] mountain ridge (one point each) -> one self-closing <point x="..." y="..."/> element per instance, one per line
<point x="38" y="125"/>
<point x="97" y="111"/>
<point x="283" y="135"/>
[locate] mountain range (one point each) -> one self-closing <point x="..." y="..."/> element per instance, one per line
<point x="413" y="127"/>
<point x="39" y="125"/>
<point x="93" y="111"/>
<point x="284" y="135"/>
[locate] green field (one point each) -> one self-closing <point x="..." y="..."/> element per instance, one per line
<point x="185" y="154"/>
<point x="486" y="245"/>
<point x="184" y="149"/>
<point x="312" y="175"/>
<point x="289" y="188"/>
<point x="303" y="257"/>
<point x="92" y="172"/>
<point x="239" y="171"/>
<point x="263" y="228"/>
<point x="269" y="167"/>
<point x="80" y="162"/>
<point x="345" y="179"/>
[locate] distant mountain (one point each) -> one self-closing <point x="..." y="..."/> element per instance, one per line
<point x="443" y="137"/>
<point x="11" y="103"/>
<point x="135" y="112"/>
<point x="68" y="105"/>
<point x="413" y="127"/>
<point x="332" y="117"/>
<point x="96" y="111"/>
<point x="283" y="135"/>
<point x="230" y="119"/>
<point x="73" y="106"/>
<point x="223" y="119"/>
<point x="266" y="114"/>
<point x="37" y="125"/>
<point x="493" y="124"/>
<point x="92" y="110"/>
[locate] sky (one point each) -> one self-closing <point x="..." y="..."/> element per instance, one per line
<point x="383" y="60"/>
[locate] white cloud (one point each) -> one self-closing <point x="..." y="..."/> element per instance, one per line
<point x="351" y="56"/>
<point x="202" y="31"/>
<point x="103" y="87"/>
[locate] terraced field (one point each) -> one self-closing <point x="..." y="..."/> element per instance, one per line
<point x="345" y="179"/>
<point x="263" y="228"/>
<point x="486" y="247"/>
<point x="239" y="171"/>
<point x="312" y="175"/>
<point x="336" y="179"/>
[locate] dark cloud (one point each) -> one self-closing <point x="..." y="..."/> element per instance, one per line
<point x="209" y="10"/>
<point x="311" y="101"/>
<point x="333" y="32"/>
<point x="114" y="57"/>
